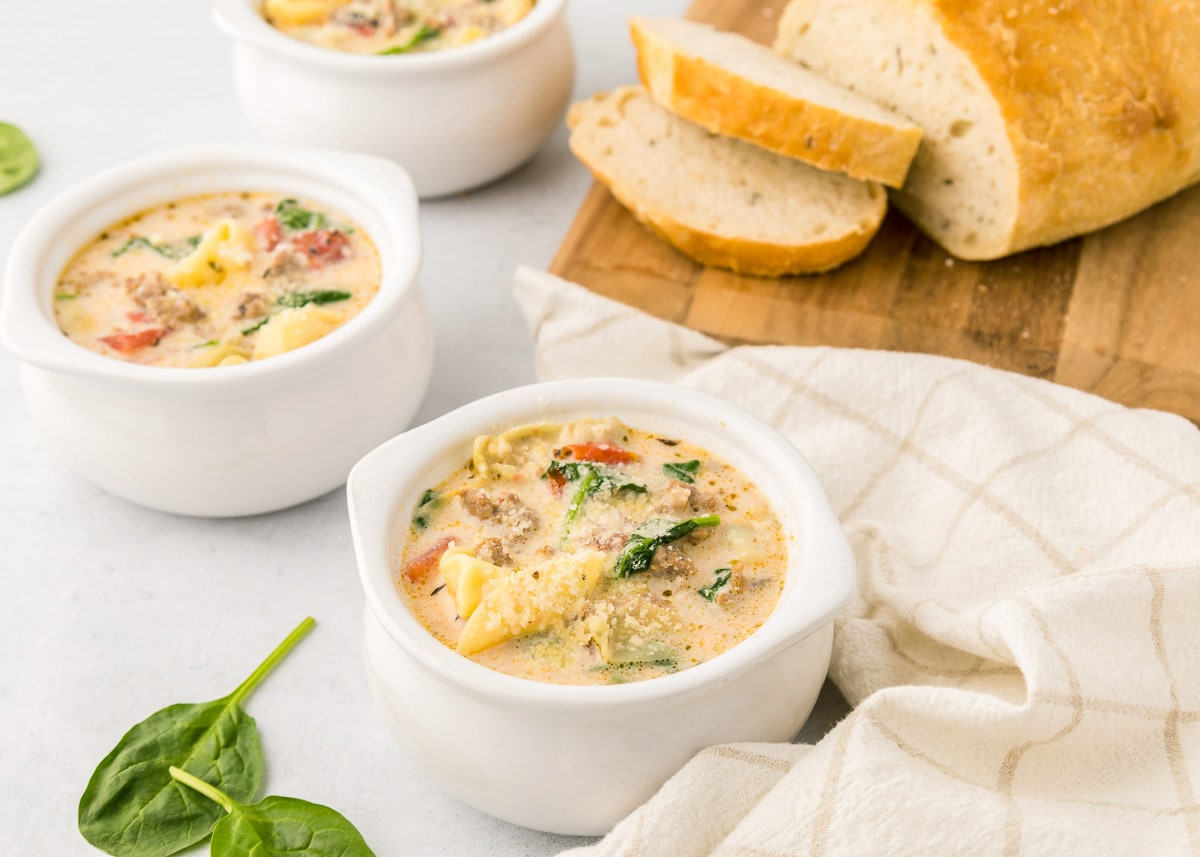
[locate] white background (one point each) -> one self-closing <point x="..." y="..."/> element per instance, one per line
<point x="109" y="611"/>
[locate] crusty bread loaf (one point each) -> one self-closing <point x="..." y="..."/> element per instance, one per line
<point x="734" y="86"/>
<point x="1043" y="119"/>
<point x="719" y="200"/>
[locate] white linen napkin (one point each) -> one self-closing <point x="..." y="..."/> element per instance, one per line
<point x="1023" y="652"/>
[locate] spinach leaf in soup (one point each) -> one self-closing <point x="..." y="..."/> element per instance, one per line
<point x="605" y="477"/>
<point x="423" y="34"/>
<point x="638" y="552"/>
<point x="721" y="578"/>
<point x="589" y="484"/>
<point x="428" y="502"/>
<point x="627" y="656"/>
<point x="132" y="807"/>
<point x="174" y="250"/>
<point x="684" y="471"/>
<point x="294" y="218"/>
<point x="592" y="479"/>
<point x="565" y="470"/>
<point x="255" y="327"/>
<point x="620" y="673"/>
<point x="614" y="481"/>
<point x="275" y="826"/>
<point x="295" y="300"/>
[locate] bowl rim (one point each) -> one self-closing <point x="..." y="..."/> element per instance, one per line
<point x="242" y="20"/>
<point x="376" y="493"/>
<point x="380" y="185"/>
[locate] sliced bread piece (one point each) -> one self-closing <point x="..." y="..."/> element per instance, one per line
<point x="1042" y="120"/>
<point x="719" y="200"/>
<point x="737" y="87"/>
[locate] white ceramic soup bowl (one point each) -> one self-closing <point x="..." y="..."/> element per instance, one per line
<point x="569" y="759"/>
<point x="455" y="119"/>
<point x="230" y="440"/>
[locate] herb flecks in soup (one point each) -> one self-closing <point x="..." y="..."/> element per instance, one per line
<point x="592" y="553"/>
<point x="389" y="27"/>
<point x="217" y="280"/>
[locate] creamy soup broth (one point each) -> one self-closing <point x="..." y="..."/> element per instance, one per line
<point x="216" y="280"/>
<point x="592" y="553"/>
<point x="393" y="26"/>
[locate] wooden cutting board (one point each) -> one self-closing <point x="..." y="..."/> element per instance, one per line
<point x="1116" y="313"/>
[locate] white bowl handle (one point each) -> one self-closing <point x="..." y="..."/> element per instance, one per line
<point x="839" y="571"/>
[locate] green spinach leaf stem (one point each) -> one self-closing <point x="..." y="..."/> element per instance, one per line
<point x="244" y="689"/>
<point x="211" y="792"/>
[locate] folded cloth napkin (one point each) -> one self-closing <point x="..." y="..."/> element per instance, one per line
<point x="1023" y="651"/>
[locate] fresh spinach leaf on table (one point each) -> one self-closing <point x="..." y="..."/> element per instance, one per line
<point x="19" y="161"/>
<point x="277" y="826"/>
<point x="133" y="808"/>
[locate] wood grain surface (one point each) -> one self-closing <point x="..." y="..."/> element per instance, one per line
<point x="1115" y="313"/>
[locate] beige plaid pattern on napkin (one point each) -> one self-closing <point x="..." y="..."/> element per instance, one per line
<point x="1023" y="653"/>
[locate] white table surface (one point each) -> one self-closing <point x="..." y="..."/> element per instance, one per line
<point x="109" y="611"/>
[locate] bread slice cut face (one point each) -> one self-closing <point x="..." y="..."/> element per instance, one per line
<point x="1042" y="120"/>
<point x="731" y="85"/>
<point x="962" y="189"/>
<point x="722" y="201"/>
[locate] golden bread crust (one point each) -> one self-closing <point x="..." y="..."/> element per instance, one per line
<point x="736" y="253"/>
<point x="1098" y="105"/>
<point x="1101" y="101"/>
<point x="727" y="103"/>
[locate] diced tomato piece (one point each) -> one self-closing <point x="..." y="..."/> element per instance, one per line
<point x="269" y="233"/>
<point x="601" y="453"/>
<point x="127" y="343"/>
<point x="138" y="317"/>
<point x="367" y="28"/>
<point x="322" y="246"/>
<point x="419" y="566"/>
